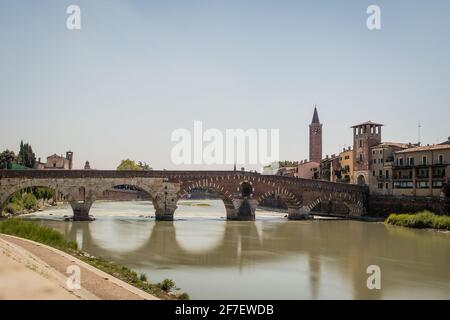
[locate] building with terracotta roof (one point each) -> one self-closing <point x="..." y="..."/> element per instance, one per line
<point x="382" y="160"/>
<point x="346" y="162"/>
<point x="308" y="169"/>
<point x="421" y="170"/>
<point x="55" y="162"/>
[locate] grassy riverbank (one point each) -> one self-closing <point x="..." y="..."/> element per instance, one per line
<point x="32" y="231"/>
<point x="421" y="220"/>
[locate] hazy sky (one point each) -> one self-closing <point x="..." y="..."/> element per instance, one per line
<point x="137" y="70"/>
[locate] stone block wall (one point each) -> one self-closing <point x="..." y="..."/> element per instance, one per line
<point x="383" y="206"/>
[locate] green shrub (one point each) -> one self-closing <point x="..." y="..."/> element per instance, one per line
<point x="143" y="277"/>
<point x="424" y="219"/>
<point x="13" y="208"/>
<point x="183" y="296"/>
<point x="29" y="201"/>
<point x="167" y="284"/>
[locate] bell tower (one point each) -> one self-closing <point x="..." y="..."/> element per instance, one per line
<point x="315" y="138"/>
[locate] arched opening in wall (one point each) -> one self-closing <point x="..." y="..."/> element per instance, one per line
<point x="361" y="180"/>
<point x="202" y="202"/>
<point x="274" y="205"/>
<point x="331" y="207"/>
<point x="246" y="189"/>
<point x="31" y="199"/>
<point x="273" y="201"/>
<point x="126" y="192"/>
<point x="124" y="200"/>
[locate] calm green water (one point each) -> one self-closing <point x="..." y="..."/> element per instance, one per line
<point x="271" y="258"/>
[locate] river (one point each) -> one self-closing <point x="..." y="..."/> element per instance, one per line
<point x="271" y="258"/>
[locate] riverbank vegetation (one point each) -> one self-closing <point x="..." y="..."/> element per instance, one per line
<point x="35" y="232"/>
<point x="48" y="236"/>
<point x="421" y="220"/>
<point x="29" y="200"/>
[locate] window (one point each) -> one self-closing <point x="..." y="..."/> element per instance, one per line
<point x="380" y="173"/>
<point x="400" y="162"/>
<point x="373" y="173"/>
<point x="380" y="186"/>
<point x="424" y="160"/>
<point x="54" y="165"/>
<point x="360" y="157"/>
<point x="410" y="174"/>
<point x="387" y="174"/>
<point x="437" y="184"/>
<point x="422" y="184"/>
<point x="360" y="143"/>
<point x="441" y="159"/>
<point x="403" y="185"/>
<point x="411" y="161"/>
<point x="387" y="185"/>
<point x="373" y="152"/>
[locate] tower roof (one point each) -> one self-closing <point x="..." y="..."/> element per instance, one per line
<point x="315" y="118"/>
<point x="367" y="123"/>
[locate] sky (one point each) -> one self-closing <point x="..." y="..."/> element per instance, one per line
<point x="138" y="70"/>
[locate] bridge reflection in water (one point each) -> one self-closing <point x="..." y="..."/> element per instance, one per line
<point x="324" y="259"/>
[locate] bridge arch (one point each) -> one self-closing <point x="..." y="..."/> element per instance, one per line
<point x="28" y="184"/>
<point x="140" y="186"/>
<point x="355" y="207"/>
<point x="205" y="184"/>
<point x="290" y="199"/>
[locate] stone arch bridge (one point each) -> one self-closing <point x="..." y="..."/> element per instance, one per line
<point x="240" y="191"/>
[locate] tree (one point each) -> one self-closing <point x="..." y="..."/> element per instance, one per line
<point x="144" y="166"/>
<point x="287" y="163"/>
<point x="132" y="165"/>
<point x="7" y="158"/>
<point x="43" y="193"/>
<point x="26" y="156"/>
<point x="128" y="165"/>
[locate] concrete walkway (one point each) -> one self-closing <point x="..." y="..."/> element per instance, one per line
<point x="30" y="270"/>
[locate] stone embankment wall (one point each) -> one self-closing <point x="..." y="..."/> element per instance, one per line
<point x="383" y="206"/>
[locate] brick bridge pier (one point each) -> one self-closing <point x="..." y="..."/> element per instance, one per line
<point x="240" y="191"/>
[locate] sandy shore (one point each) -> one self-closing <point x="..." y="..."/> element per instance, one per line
<point x="30" y="270"/>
